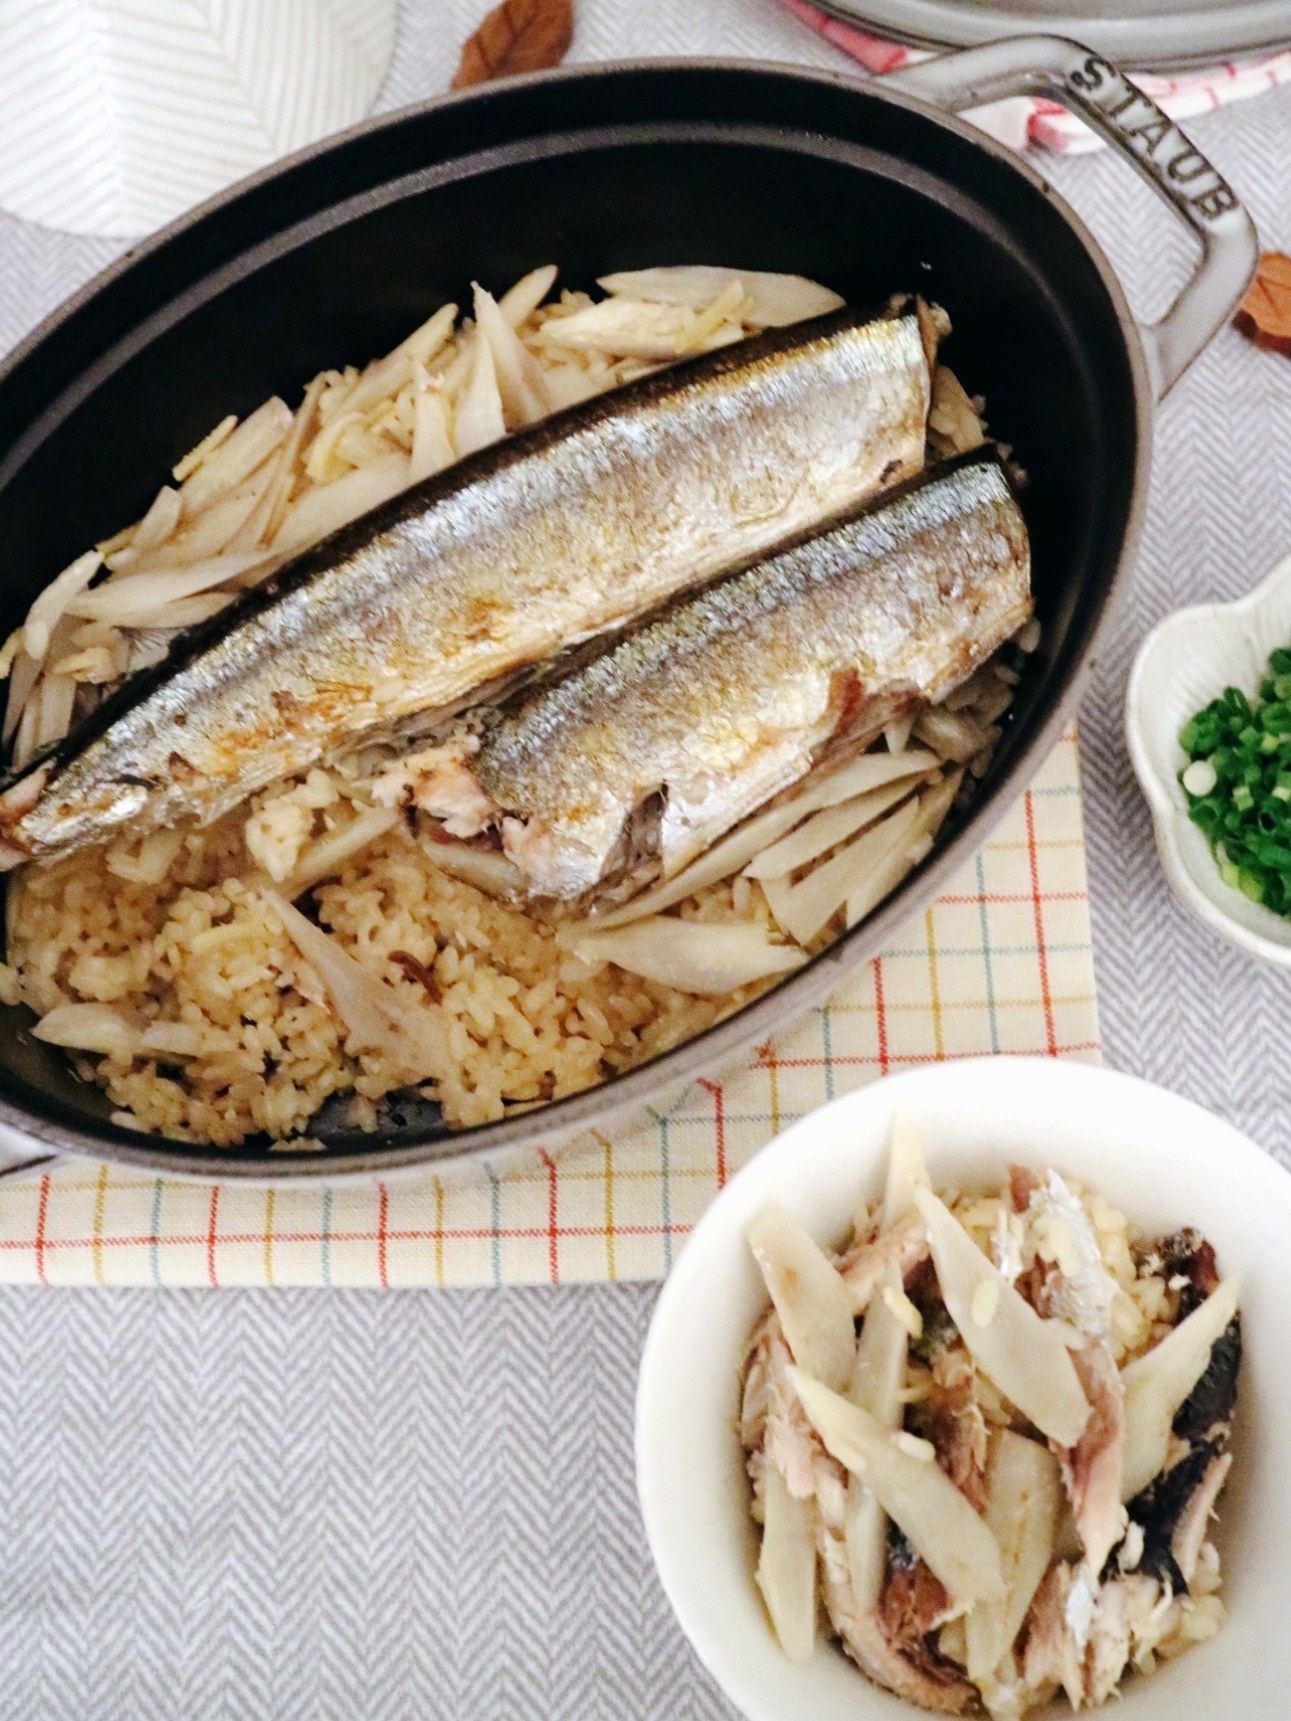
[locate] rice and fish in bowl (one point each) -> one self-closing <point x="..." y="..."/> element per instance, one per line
<point x="419" y="806"/>
<point x="1001" y="1489"/>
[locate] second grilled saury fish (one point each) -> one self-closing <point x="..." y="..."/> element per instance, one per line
<point x="732" y="696"/>
<point x="579" y="523"/>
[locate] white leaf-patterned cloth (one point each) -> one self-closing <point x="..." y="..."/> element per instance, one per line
<point x="117" y="115"/>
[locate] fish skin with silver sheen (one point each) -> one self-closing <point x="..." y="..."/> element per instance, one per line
<point x="730" y="696"/>
<point x="577" y="524"/>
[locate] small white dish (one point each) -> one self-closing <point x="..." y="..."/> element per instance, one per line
<point x="1184" y="663"/>
<point x="1164" y="1162"/>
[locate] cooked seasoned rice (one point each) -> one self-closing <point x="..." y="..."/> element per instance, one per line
<point x="232" y="1029"/>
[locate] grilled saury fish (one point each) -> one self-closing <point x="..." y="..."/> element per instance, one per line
<point x="579" y="523"/>
<point x="733" y="694"/>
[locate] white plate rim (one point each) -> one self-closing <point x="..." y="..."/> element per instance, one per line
<point x="1171" y="40"/>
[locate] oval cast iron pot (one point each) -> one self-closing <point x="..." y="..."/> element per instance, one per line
<point x="870" y="187"/>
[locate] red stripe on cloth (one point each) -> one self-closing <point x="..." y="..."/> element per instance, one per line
<point x="1042" y="959"/>
<point x="844" y="1062"/>
<point x="553" y="1216"/>
<point x="450" y="1234"/>
<point x="1004" y="897"/>
<point x="41" y="1214"/>
<point x="719" y="1127"/>
<point x="881" y="1020"/>
<point x="211" y="1224"/>
<point x="383" y="1218"/>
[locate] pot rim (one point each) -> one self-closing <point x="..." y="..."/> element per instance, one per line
<point x="609" y="1102"/>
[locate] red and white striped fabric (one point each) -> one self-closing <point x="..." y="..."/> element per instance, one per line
<point x="1024" y="121"/>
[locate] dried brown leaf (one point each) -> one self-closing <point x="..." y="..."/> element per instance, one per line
<point x="517" y="36"/>
<point x="1265" y="312"/>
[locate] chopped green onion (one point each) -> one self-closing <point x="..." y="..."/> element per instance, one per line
<point x="1250" y="884"/>
<point x="1237" y="778"/>
<point x="1206" y="814"/>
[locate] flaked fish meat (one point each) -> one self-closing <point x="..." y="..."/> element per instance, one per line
<point x="950" y="1473"/>
<point x="735" y="693"/>
<point x="575" y="525"/>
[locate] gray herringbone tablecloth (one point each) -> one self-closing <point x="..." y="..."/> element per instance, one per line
<point x="289" y="1505"/>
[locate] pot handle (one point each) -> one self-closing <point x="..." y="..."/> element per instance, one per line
<point x="1103" y="96"/>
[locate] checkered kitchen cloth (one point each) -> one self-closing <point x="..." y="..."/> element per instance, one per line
<point x="1001" y="963"/>
<point x="1026" y="120"/>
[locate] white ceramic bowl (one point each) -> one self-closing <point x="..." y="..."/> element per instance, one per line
<point x="1164" y="1162"/>
<point x="1182" y="665"/>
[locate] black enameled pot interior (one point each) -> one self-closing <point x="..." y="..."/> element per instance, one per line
<point x="336" y="257"/>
